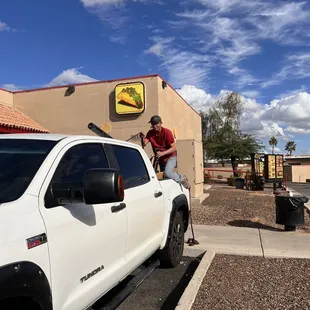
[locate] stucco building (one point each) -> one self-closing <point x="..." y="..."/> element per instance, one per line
<point x="122" y="107"/>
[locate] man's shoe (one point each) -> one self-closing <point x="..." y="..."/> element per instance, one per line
<point x="185" y="182"/>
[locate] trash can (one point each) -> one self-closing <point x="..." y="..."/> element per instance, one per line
<point x="290" y="211"/>
<point x="239" y="183"/>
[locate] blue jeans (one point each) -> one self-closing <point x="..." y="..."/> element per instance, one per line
<point x="168" y="169"/>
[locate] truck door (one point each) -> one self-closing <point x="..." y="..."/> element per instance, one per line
<point x="86" y="242"/>
<point x="145" y="204"/>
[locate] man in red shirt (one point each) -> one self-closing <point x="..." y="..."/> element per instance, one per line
<point x="163" y="141"/>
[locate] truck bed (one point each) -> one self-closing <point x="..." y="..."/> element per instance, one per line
<point x="160" y="175"/>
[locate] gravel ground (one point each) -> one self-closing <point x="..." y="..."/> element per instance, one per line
<point x="253" y="283"/>
<point x="227" y="206"/>
<point x="161" y="290"/>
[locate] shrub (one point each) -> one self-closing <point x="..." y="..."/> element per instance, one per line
<point x="231" y="181"/>
<point x="207" y="178"/>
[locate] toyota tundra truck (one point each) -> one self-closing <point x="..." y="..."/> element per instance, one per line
<point x="78" y="215"/>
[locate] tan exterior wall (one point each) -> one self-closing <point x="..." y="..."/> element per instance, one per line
<point x="190" y="163"/>
<point x="6" y="97"/>
<point x="300" y="173"/>
<point x="89" y="103"/>
<point x="176" y="113"/>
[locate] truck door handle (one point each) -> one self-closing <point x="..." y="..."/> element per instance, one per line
<point x="120" y="207"/>
<point x="157" y="194"/>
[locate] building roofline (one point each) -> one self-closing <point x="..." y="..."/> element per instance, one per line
<point x="101" y="82"/>
<point x="297" y="157"/>
<point x="85" y="83"/>
<point x="6" y="90"/>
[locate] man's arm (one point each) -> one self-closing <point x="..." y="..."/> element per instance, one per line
<point x="172" y="148"/>
<point x="170" y="141"/>
<point x="144" y="139"/>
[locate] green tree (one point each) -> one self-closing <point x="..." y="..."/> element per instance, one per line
<point x="204" y="127"/>
<point x="224" y="139"/>
<point x="290" y="147"/>
<point x="273" y="142"/>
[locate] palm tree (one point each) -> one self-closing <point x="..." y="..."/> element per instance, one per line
<point x="273" y="142"/>
<point x="290" y="147"/>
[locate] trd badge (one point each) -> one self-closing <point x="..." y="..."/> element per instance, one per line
<point x="36" y="241"/>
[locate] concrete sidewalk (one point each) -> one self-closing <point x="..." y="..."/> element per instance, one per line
<point x="248" y="241"/>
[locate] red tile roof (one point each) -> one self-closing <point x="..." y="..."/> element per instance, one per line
<point x="12" y="118"/>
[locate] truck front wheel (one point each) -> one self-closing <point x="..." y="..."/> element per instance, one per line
<point x="171" y="255"/>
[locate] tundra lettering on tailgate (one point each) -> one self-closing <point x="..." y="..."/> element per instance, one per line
<point x="91" y="274"/>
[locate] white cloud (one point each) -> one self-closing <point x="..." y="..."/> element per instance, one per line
<point x="94" y="3"/>
<point x="112" y="12"/>
<point x="250" y="93"/>
<point x="118" y="39"/>
<point x="297" y="130"/>
<point x="276" y="21"/>
<point x="296" y="67"/>
<point x="291" y="110"/>
<point x="70" y="76"/>
<point x="4" y="26"/>
<point x="281" y="118"/>
<point x="11" y="87"/>
<point x="97" y="3"/>
<point x="288" y="93"/>
<point x="231" y="31"/>
<point x="196" y="97"/>
<point x="183" y="66"/>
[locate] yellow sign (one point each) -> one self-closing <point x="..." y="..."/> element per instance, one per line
<point x="129" y="98"/>
<point x="279" y="166"/>
<point x="271" y="166"/>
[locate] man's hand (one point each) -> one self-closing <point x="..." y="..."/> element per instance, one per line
<point x="160" y="154"/>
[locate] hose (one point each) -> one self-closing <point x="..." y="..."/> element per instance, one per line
<point x="191" y="241"/>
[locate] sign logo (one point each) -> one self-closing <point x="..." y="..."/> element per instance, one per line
<point x="130" y="98"/>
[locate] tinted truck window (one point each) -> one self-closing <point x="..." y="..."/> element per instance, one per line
<point x="20" y="160"/>
<point x="72" y="167"/>
<point x="78" y="160"/>
<point x="131" y="166"/>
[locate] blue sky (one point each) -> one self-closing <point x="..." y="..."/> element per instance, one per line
<point x="258" y="48"/>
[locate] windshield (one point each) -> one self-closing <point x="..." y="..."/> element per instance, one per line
<point x="20" y="159"/>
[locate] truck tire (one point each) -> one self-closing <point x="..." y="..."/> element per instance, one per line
<point x="171" y="255"/>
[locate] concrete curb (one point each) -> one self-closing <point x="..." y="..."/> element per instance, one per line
<point x="188" y="297"/>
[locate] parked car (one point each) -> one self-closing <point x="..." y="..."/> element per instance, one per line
<point x="78" y="214"/>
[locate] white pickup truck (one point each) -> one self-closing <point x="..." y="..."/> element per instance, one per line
<point x="78" y="214"/>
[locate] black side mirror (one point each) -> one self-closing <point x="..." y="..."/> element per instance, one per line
<point x="65" y="193"/>
<point x="103" y="186"/>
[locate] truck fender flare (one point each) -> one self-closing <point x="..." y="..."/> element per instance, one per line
<point x="25" y="279"/>
<point x="180" y="202"/>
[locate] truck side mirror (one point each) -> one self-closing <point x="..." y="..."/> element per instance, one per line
<point x="103" y="186"/>
<point x="61" y="193"/>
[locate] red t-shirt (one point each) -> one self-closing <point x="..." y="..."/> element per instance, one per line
<point x="162" y="141"/>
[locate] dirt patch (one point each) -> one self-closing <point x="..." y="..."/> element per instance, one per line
<point x="240" y="282"/>
<point x="227" y="206"/>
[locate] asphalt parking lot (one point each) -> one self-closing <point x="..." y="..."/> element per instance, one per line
<point x="162" y="289"/>
<point x="303" y="188"/>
